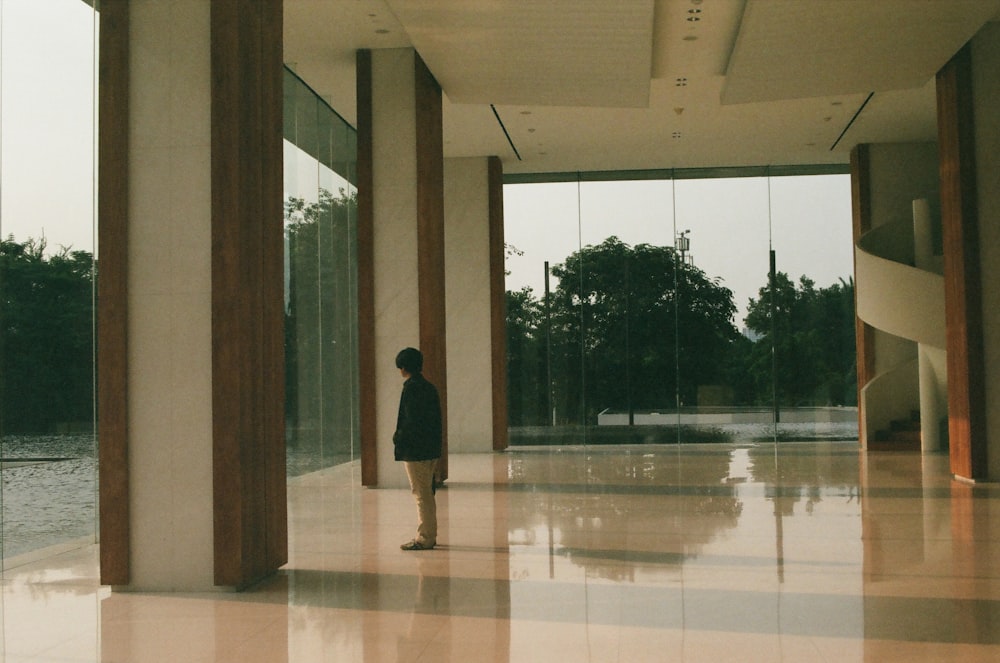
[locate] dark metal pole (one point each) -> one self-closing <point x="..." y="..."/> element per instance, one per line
<point x="550" y="410"/>
<point x="628" y="356"/>
<point x="774" y="341"/>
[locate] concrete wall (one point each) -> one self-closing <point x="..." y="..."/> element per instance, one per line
<point x="467" y="288"/>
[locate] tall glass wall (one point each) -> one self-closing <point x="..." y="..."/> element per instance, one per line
<point x="690" y="308"/>
<point x="48" y="76"/>
<point x="320" y="284"/>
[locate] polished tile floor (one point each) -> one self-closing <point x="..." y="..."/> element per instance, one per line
<point x="794" y="552"/>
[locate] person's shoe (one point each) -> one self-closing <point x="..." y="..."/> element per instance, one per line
<point x="415" y="545"/>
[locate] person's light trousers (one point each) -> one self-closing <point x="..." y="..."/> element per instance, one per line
<point x="421" y="476"/>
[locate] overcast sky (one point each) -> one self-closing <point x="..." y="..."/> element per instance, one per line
<point x="732" y="226"/>
<point x="47" y="74"/>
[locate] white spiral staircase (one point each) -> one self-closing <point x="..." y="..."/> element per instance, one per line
<point x="900" y="292"/>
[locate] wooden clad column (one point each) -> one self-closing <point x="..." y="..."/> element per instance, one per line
<point x="112" y="298"/>
<point x="247" y="291"/>
<point x="963" y="289"/>
<point x="430" y="238"/>
<point x="861" y="199"/>
<point x="366" y="275"/>
<point x="190" y="301"/>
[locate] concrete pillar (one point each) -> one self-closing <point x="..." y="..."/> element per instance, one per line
<point x="467" y="284"/>
<point x="190" y="338"/>
<point x="170" y="302"/>
<point x="400" y="244"/>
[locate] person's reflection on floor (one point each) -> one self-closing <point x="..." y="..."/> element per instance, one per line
<point x="430" y="600"/>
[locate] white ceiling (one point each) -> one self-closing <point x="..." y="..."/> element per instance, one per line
<point x="584" y="85"/>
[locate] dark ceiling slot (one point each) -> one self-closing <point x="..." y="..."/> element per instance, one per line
<point x="856" y="113"/>
<point x="509" y="140"/>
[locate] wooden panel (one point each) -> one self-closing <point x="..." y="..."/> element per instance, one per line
<point x="366" y="274"/>
<point x="273" y="287"/>
<point x="112" y="297"/>
<point x="247" y="399"/>
<point x="430" y="237"/>
<point x="962" y="281"/>
<point x="861" y="207"/>
<point x="498" y="305"/>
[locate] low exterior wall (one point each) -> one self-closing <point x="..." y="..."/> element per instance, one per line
<point x="735" y="415"/>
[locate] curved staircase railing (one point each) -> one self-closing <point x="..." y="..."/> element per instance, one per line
<point x="900" y="291"/>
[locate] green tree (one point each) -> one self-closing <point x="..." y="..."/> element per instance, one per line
<point x="812" y="332"/>
<point x="527" y="385"/>
<point x="48" y="336"/>
<point x="626" y="321"/>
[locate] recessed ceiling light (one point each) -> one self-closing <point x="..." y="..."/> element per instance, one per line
<point x="694" y="11"/>
<point x="681" y="82"/>
<point x="677" y="134"/>
<point x="694" y="19"/>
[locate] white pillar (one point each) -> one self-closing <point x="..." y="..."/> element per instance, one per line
<point x="397" y="304"/>
<point x="467" y="284"/>
<point x="170" y="305"/>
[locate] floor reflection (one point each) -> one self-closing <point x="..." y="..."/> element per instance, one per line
<point x="754" y="552"/>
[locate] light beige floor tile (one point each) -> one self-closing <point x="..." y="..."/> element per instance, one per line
<point x="804" y="552"/>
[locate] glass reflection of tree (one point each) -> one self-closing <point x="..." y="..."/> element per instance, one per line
<point x="319" y="324"/>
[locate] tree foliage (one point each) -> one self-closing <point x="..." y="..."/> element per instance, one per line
<point x="610" y="332"/>
<point x="48" y="336"/>
<point x="634" y="328"/>
<point x="813" y="338"/>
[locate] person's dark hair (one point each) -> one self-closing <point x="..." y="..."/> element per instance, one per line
<point x="410" y="360"/>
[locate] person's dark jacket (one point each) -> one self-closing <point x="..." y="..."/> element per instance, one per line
<point x="418" y="427"/>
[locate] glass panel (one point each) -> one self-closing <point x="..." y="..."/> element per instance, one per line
<point x="543" y="314"/>
<point x="722" y="240"/>
<point x="48" y="453"/>
<point x="815" y="358"/>
<point x="320" y="286"/>
<point x="626" y="267"/>
<point x="660" y="325"/>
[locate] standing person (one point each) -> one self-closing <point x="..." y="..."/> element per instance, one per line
<point x="417" y="442"/>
